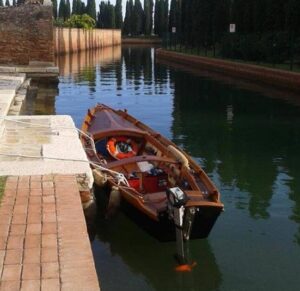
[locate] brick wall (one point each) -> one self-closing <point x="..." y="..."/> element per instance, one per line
<point x="68" y="40"/>
<point x="277" y="78"/>
<point x="26" y="34"/>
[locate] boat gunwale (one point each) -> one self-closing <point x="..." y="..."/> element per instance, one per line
<point x="151" y="136"/>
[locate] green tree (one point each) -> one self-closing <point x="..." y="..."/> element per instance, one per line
<point x="128" y="27"/>
<point x="148" y="22"/>
<point x="106" y="15"/>
<point x="111" y="16"/>
<point x="1" y="3"/>
<point x="166" y="16"/>
<point x="54" y="5"/>
<point x="7" y="3"/>
<point x="81" y="7"/>
<point x="118" y="14"/>
<point x="173" y="15"/>
<point x="157" y="17"/>
<point x="138" y="18"/>
<point x="61" y="9"/>
<point x="67" y="10"/>
<point x="74" y="7"/>
<point x="91" y="8"/>
<point x="14" y="3"/>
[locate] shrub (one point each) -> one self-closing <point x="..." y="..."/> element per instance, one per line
<point x="80" y="21"/>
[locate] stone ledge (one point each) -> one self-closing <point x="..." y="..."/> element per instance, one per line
<point x="57" y="139"/>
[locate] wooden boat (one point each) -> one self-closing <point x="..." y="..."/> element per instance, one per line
<point x="165" y="187"/>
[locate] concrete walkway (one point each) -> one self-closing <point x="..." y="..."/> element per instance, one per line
<point x="9" y="84"/>
<point x="43" y="237"/>
<point x="39" y="145"/>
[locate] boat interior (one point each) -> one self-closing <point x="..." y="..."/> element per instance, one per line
<point x="150" y="164"/>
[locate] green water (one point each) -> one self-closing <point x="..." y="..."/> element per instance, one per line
<point x="246" y="137"/>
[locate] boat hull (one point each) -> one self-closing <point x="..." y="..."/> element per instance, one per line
<point x="164" y="228"/>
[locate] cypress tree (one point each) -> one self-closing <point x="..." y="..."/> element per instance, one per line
<point x="138" y="18"/>
<point x="106" y="15"/>
<point x="101" y="15"/>
<point x="111" y="16"/>
<point x="67" y="9"/>
<point x="7" y="3"/>
<point x="81" y="7"/>
<point x="128" y="18"/>
<point x="54" y="6"/>
<point x="221" y="19"/>
<point x="156" y="17"/>
<point x="148" y="10"/>
<point x="14" y="3"/>
<point x="173" y="14"/>
<point x="166" y="16"/>
<point x="61" y="10"/>
<point x="91" y="8"/>
<point x="293" y="18"/>
<point x="74" y="7"/>
<point x="118" y="14"/>
<point x="1" y="3"/>
<point x="162" y="17"/>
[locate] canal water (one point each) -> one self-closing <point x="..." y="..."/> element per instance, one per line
<point x="245" y="136"/>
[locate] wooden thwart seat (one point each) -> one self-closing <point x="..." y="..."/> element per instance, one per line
<point x="137" y="159"/>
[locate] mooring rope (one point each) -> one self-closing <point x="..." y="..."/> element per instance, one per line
<point x="121" y="179"/>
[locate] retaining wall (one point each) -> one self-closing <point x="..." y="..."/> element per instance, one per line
<point x="26" y="34"/>
<point x="274" y="77"/>
<point x="68" y="40"/>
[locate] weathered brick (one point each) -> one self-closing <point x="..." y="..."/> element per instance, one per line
<point x="26" y="34"/>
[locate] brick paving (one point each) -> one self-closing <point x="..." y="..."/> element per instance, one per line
<point x="44" y="243"/>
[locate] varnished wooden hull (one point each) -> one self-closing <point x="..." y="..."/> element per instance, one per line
<point x="148" y="206"/>
<point x="162" y="229"/>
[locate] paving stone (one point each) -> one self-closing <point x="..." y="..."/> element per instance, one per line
<point x="34" y="229"/>
<point x="49" y="241"/>
<point x="14" y="257"/>
<point x="15" y="242"/>
<point x="18" y="229"/>
<point x="19" y="218"/>
<point x="50" y="285"/>
<point x="33" y="241"/>
<point x="32" y="256"/>
<point x="31" y="272"/>
<point x="35" y="200"/>
<point x="3" y="240"/>
<point x="49" y="228"/>
<point x="49" y="255"/>
<point x="34" y="218"/>
<point x="37" y="249"/>
<point x="10" y="285"/>
<point x="30" y="285"/>
<point x="50" y="271"/>
<point x="11" y="273"/>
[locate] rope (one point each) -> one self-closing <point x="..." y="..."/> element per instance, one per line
<point x="118" y="176"/>
<point x="62" y="127"/>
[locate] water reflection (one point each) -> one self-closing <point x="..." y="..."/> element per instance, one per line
<point x="241" y="149"/>
<point x="246" y="136"/>
<point x="72" y="64"/>
<point x="40" y="98"/>
<point x="134" y="253"/>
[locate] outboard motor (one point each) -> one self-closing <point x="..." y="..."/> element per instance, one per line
<point x="176" y="202"/>
<point x="176" y="197"/>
